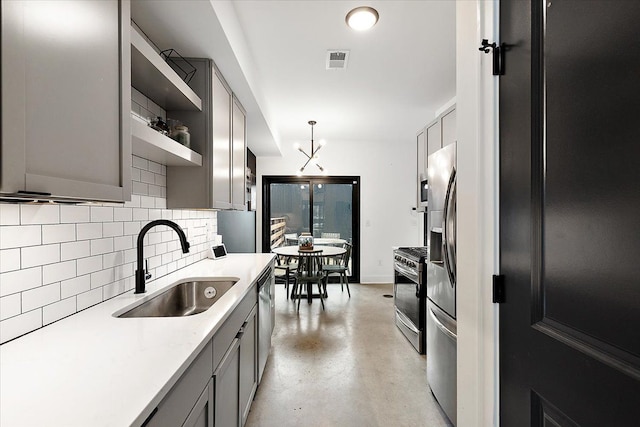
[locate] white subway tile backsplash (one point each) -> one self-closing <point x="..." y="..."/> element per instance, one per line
<point x="140" y="214"/>
<point x="101" y="246"/>
<point x="59" y="259"/>
<point x="132" y="228"/>
<point x="140" y="188"/>
<point x="10" y="306"/>
<point x="113" y="289"/>
<point x="101" y="214"/>
<point x="87" y="299"/>
<point x="122" y="214"/>
<point x="9" y="214"/>
<point x="102" y="277"/>
<point x="147" y="202"/>
<point x="75" y="250"/>
<point x="112" y="229"/>
<point x="134" y="203"/>
<point x="135" y="175"/>
<point x="58" y="310"/>
<point x="140" y="163"/>
<point x="39" y="297"/>
<point x="74" y="214"/>
<point x="130" y="255"/>
<point x="89" y="231"/>
<point x="58" y="233"/>
<point x="9" y="260"/>
<point x="16" y="236"/>
<point x="122" y="243"/>
<point x="39" y="255"/>
<point x="20" y="280"/>
<point x="89" y="265"/>
<point x="154" y="214"/>
<point x="155" y="167"/>
<point x="39" y="214"/>
<point x="155" y="191"/>
<point x="75" y="286"/>
<point x="57" y="272"/>
<point x="113" y="259"/>
<point x="123" y="271"/>
<point x="19" y="325"/>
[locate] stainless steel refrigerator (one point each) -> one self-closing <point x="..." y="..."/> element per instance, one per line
<point x="441" y="279"/>
<point x="238" y="230"/>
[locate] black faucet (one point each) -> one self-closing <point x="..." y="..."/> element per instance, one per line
<point x="141" y="273"/>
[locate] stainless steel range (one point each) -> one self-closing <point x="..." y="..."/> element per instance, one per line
<point x="409" y="291"/>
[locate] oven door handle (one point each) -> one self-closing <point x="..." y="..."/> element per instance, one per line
<point x="405" y="322"/>
<point x="406" y="272"/>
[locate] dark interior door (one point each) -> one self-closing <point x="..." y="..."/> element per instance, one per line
<point x="570" y="213"/>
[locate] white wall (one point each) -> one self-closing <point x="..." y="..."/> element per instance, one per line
<point x="387" y="194"/>
<point x="477" y="215"/>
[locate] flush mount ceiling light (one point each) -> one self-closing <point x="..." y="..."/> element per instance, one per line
<point x="362" y="18"/>
<point x="313" y="157"/>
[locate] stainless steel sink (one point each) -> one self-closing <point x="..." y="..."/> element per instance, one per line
<point x="183" y="299"/>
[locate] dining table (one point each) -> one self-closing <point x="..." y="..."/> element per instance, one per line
<point x="325" y="252"/>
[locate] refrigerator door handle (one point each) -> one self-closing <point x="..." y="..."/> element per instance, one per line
<point x="448" y="237"/>
<point x="441" y="326"/>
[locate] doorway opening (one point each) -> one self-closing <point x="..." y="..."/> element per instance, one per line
<point x="327" y="207"/>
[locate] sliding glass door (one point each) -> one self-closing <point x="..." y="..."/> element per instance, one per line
<point x="326" y="207"/>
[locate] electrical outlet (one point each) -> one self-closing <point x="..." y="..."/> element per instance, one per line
<point x="380" y="263"/>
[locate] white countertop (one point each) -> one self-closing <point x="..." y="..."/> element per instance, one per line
<point x="93" y="369"/>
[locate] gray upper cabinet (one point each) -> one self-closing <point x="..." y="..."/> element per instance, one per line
<point x="449" y="132"/>
<point x="65" y="100"/>
<point x="436" y="135"/>
<point x="239" y="158"/>
<point x="221" y="143"/>
<point x="218" y="134"/>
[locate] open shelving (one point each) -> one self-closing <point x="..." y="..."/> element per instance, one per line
<point x="153" y="145"/>
<point x="152" y="76"/>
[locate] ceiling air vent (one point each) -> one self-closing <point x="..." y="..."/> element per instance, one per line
<point x="337" y="59"/>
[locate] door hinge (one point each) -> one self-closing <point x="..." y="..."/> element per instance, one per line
<point x="498" y="55"/>
<point x="498" y="288"/>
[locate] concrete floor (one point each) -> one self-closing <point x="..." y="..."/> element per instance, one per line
<point x="346" y="366"/>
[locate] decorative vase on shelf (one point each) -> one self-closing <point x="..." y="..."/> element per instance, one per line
<point x="305" y="242"/>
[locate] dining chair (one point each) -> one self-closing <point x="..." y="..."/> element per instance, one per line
<point x="284" y="271"/>
<point x="340" y="268"/>
<point x="330" y="235"/>
<point x="291" y="239"/>
<point x="309" y="272"/>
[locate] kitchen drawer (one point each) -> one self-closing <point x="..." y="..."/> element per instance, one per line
<point x="178" y="403"/>
<point x="226" y="334"/>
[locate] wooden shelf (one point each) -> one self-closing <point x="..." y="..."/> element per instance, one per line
<point x="152" y="145"/>
<point x="152" y="76"/>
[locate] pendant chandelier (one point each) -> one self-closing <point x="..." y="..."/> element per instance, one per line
<point x="313" y="157"/>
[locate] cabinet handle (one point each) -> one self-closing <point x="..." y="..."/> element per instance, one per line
<point x="241" y="332"/>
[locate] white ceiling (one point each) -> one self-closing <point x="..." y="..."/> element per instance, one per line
<point x="399" y="73"/>
<point x="273" y="55"/>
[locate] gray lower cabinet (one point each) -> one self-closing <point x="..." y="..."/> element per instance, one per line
<point x="179" y="404"/>
<point x="236" y="377"/>
<point x="227" y="386"/>
<point x="65" y="100"/>
<point x="217" y="389"/>
<point x="248" y="364"/>
<point x="202" y="414"/>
